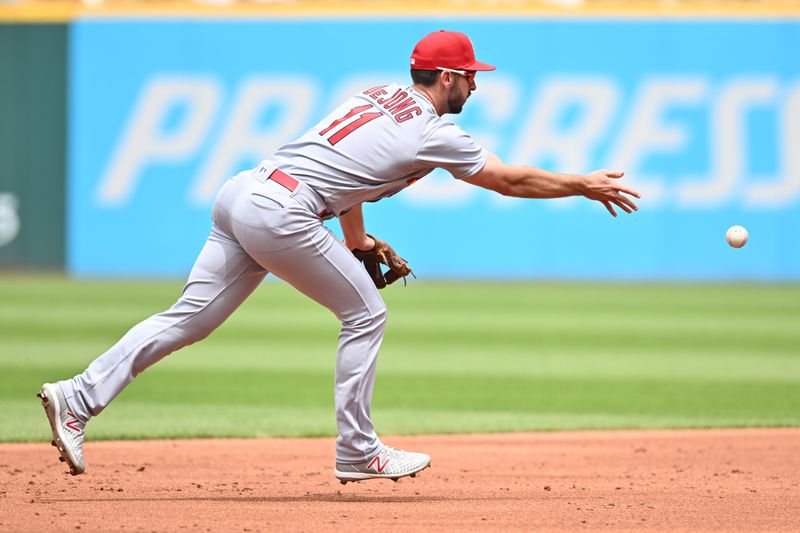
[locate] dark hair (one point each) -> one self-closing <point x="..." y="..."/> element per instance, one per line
<point x="426" y="78"/>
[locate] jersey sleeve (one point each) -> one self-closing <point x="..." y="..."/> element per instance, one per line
<point x="451" y="148"/>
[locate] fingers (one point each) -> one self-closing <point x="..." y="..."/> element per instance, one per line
<point x="610" y="194"/>
<point x="610" y="173"/>
<point x="622" y="206"/>
<point x="616" y="174"/>
<point x="610" y="209"/>
<point x="625" y="203"/>
<point x="628" y="190"/>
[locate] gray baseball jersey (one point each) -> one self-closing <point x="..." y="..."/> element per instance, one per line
<point x="374" y="145"/>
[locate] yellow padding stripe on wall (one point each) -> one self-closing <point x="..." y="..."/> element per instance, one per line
<point x="58" y="11"/>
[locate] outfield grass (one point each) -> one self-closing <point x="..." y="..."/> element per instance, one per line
<point x="456" y="358"/>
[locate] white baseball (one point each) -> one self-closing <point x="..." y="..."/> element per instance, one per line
<point x="736" y="236"/>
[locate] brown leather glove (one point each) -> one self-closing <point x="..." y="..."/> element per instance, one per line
<point x="383" y="254"/>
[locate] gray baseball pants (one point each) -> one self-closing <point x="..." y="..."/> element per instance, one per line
<point x="259" y="227"/>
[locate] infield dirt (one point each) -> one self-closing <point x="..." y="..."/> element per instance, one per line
<point x="737" y="480"/>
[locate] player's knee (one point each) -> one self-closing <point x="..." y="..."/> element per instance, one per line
<point x="369" y="319"/>
<point x="380" y="316"/>
<point x="197" y="325"/>
<point x="376" y="319"/>
<point x="201" y="331"/>
<point x="196" y="318"/>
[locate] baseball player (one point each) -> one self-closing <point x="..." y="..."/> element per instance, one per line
<point x="270" y="219"/>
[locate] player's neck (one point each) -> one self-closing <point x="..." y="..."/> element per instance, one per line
<point x="438" y="104"/>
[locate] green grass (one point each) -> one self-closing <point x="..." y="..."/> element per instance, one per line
<point x="456" y="358"/>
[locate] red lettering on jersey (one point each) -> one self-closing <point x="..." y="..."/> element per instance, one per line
<point x="398" y="95"/>
<point x="378" y="93"/>
<point x="353" y="112"/>
<point x="396" y="108"/>
<point x="408" y="114"/>
<point x="372" y="90"/>
<point x="398" y="104"/>
<point x="350" y="128"/>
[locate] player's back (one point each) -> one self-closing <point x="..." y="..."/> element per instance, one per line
<point x="365" y="149"/>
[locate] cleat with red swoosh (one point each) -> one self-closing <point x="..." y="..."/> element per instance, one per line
<point x="67" y="429"/>
<point x="390" y="463"/>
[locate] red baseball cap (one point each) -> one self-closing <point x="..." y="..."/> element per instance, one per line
<point x="447" y="49"/>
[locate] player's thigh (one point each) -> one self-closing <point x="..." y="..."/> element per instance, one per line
<point x="322" y="268"/>
<point x="223" y="275"/>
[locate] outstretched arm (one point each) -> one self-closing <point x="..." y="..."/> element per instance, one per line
<point x="529" y="182"/>
<point x="355" y="236"/>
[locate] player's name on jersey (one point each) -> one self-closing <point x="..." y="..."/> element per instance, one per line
<point x="400" y="105"/>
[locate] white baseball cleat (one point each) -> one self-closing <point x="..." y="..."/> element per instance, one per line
<point x="391" y="463"/>
<point x="67" y="429"/>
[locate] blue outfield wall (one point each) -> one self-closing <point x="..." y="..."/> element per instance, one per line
<point x="703" y="115"/>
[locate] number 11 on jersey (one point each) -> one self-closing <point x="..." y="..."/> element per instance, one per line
<point x="352" y="126"/>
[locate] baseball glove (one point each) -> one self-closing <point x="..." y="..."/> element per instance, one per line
<point x="383" y="254"/>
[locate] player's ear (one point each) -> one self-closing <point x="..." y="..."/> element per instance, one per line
<point x="447" y="78"/>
